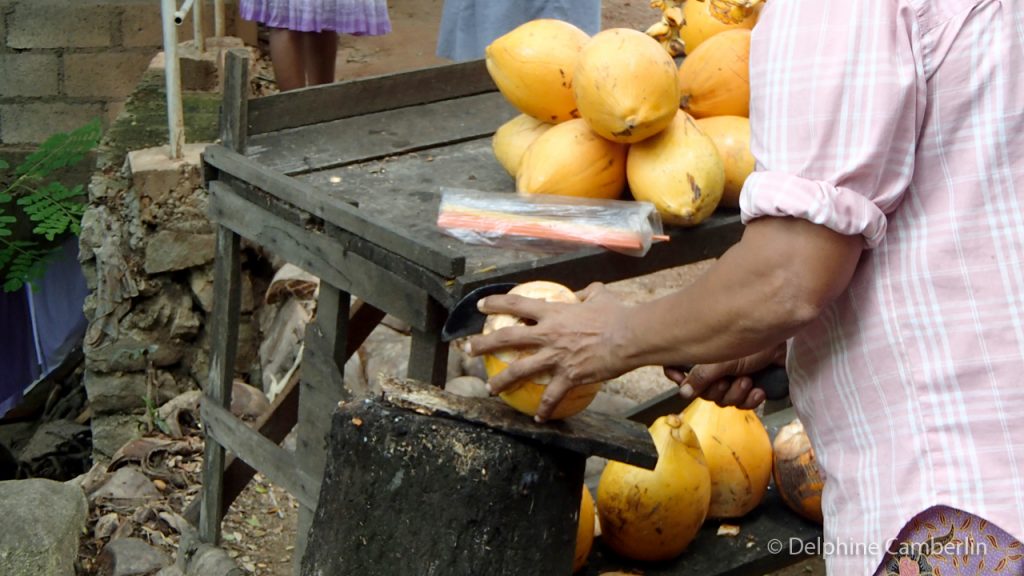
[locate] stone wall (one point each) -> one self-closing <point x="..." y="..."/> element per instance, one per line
<point x="146" y="249"/>
<point x="65" y="62"/>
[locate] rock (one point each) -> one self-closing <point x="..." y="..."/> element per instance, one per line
<point x="51" y="437"/>
<point x="131" y="557"/>
<point x="200" y="281"/>
<point x="120" y="392"/>
<point x="133" y="350"/>
<point x="111" y="431"/>
<point x="248" y="402"/>
<point x="171" y="570"/>
<point x="127" y="484"/>
<point x="196" y="558"/>
<point x="106" y="525"/>
<point x="386" y="353"/>
<point x="469" y="386"/>
<point x="170" y="250"/>
<point x="49" y="517"/>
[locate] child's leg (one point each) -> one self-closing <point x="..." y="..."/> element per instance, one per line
<point x="321" y="55"/>
<point x="286" y="54"/>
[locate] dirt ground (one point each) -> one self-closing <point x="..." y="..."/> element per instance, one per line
<point x="259" y="531"/>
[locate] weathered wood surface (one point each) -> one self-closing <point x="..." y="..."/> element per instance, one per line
<point x="405" y="192"/>
<point x="409" y="494"/>
<point x="380" y="135"/>
<point x="227" y="294"/>
<point x="277" y="464"/>
<point x="368" y="95"/>
<point x="338" y="212"/>
<point x="235" y="100"/>
<point x="587" y="433"/>
<point x="428" y="354"/>
<point x="278" y="421"/>
<point x="315" y="253"/>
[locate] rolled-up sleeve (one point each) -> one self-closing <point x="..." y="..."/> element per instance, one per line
<point x="837" y="99"/>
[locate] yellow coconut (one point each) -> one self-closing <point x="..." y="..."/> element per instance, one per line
<point x="703" y="19"/>
<point x="738" y="453"/>
<point x="533" y="66"/>
<point x="626" y="85"/>
<point x="731" y="135"/>
<point x="584" y="531"/>
<point x="714" y="80"/>
<point x="569" y="159"/>
<point x="679" y="171"/>
<point x="512" y="139"/>
<point x="525" y="396"/>
<point x="653" y="515"/>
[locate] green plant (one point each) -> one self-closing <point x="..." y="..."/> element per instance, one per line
<point x="49" y="205"/>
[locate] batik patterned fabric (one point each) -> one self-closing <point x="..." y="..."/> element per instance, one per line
<point x="358" y="17"/>
<point x="902" y="122"/>
<point x="943" y="541"/>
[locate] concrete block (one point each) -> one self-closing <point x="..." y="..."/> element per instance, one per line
<point x="141" y="26"/>
<point x="60" y="25"/>
<point x="104" y="75"/>
<point x="28" y="74"/>
<point x="32" y="123"/>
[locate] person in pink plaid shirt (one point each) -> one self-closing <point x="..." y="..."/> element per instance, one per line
<point x="884" y="243"/>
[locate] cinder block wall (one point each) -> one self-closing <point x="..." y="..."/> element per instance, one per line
<point x="64" y="62"/>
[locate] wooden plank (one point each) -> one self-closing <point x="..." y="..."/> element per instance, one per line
<point x="274" y="425"/>
<point x="380" y="135"/>
<point x="315" y="253"/>
<point x="577" y="269"/>
<point x="368" y="95"/>
<point x="307" y="197"/>
<point x="274" y="462"/>
<point x="320" y="396"/>
<point x="587" y="433"/>
<point x="345" y="241"/>
<point x="428" y="355"/>
<point x="235" y="100"/>
<point x="279" y="420"/>
<point x="224" y="344"/>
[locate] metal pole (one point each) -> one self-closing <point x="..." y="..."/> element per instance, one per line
<point x="220" y="25"/>
<point x="175" y="116"/>
<point x="198" y="26"/>
<point x="179" y="15"/>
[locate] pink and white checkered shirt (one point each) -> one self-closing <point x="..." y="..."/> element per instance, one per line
<point x="903" y="121"/>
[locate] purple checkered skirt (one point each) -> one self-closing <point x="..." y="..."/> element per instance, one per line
<point x="359" y="17"/>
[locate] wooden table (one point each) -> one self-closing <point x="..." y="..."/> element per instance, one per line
<point x="344" y="181"/>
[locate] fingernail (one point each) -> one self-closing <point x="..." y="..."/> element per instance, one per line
<point x="489" y="389"/>
<point x="686" y="391"/>
<point x="469" y="348"/>
<point x="538" y="419"/>
<point x="480" y="303"/>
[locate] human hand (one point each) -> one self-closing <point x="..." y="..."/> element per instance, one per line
<point x="727" y="383"/>
<point x="576" y="344"/>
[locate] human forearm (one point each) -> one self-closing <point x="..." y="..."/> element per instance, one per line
<point x="769" y="285"/>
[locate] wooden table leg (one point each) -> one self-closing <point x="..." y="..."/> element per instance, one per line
<point x="318" y="397"/>
<point x="224" y="343"/>
<point x="428" y="359"/>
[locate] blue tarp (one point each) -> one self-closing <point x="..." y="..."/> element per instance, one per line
<point x="38" y="328"/>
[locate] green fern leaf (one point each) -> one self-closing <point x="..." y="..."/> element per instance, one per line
<point x="55" y="208"/>
<point x="60" y="151"/>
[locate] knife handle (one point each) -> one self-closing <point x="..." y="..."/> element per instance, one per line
<point x="772" y="379"/>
